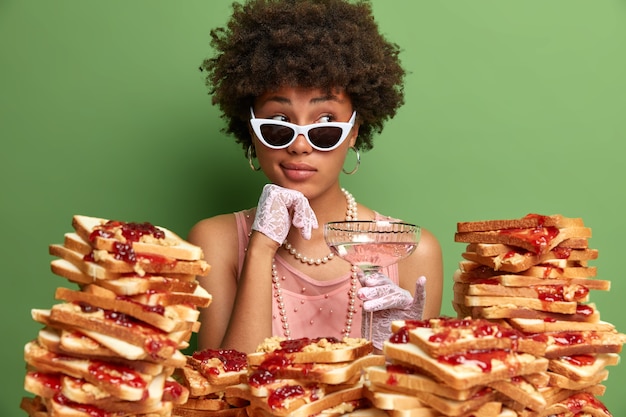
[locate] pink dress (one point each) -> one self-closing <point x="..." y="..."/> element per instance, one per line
<point x="309" y="303"/>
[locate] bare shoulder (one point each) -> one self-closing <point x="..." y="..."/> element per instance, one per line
<point x="217" y="236"/>
<point x="428" y="246"/>
<point x="212" y="227"/>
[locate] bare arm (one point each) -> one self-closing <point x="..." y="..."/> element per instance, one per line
<point x="239" y="316"/>
<point x="426" y="261"/>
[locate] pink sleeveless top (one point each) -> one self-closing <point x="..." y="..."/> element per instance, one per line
<point x="313" y="308"/>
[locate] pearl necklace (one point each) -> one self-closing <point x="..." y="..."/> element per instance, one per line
<point x="351" y="214"/>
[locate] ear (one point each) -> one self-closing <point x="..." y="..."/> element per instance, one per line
<point x="354" y="134"/>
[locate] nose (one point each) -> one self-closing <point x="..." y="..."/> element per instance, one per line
<point x="300" y="145"/>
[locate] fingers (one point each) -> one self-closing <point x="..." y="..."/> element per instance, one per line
<point x="304" y="217"/>
<point x="419" y="299"/>
<point x="384" y="297"/>
<point x="279" y="208"/>
<point x="374" y="279"/>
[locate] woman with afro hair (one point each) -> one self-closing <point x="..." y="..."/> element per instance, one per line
<point x="304" y="86"/>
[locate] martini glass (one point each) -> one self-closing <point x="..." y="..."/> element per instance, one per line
<point x="371" y="245"/>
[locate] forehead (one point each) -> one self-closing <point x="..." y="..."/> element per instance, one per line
<point x="301" y="95"/>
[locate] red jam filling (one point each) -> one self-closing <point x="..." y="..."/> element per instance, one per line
<point x="558" y="293"/>
<point x="90" y="410"/>
<point x="567" y="338"/>
<point x="172" y="390"/>
<point x="49" y="380"/>
<point x="580" y="400"/>
<point x="156" y="339"/>
<point x="580" y="360"/>
<point x="116" y="374"/>
<point x="480" y="358"/>
<point x="584" y="310"/>
<point x="232" y="360"/>
<point x="539" y="237"/>
<point x="132" y="231"/>
<point x="278" y="397"/>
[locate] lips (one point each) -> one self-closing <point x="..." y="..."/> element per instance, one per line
<point x="298" y="167"/>
<point x="298" y="172"/>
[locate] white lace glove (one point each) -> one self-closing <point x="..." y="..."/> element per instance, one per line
<point x="388" y="302"/>
<point x="278" y="209"/>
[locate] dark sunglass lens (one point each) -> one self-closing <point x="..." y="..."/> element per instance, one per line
<point x="325" y="137"/>
<point x="276" y="135"/>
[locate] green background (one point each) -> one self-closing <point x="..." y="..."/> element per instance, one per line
<point x="512" y="107"/>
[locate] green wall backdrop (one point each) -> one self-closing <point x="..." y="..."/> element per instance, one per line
<point x="513" y="106"/>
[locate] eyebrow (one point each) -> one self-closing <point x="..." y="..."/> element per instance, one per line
<point x="314" y="100"/>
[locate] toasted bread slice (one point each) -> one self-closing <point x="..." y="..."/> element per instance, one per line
<point x="391" y="400"/>
<point x="447" y="406"/>
<point x="220" y="366"/>
<point x="467" y="369"/>
<point x="182" y="411"/>
<point x="584" y="312"/>
<point x="104" y="234"/>
<point x="521" y="391"/>
<point x="34" y="406"/>
<point x="304" y="405"/>
<point x="583" y="368"/>
<point x="106" y="376"/>
<point x="574" y="249"/>
<point x="564" y="382"/>
<point x="514" y="280"/>
<point x="118" y="327"/>
<point x="83" y="392"/>
<point x="81" y="345"/>
<point x="167" y="318"/>
<point x="561" y="307"/>
<point x="72" y="409"/>
<point x="569" y="343"/>
<point x="410" y="380"/>
<point x="538" y="240"/>
<point x="529" y="221"/>
<point x="128" y="285"/>
<point x="138" y="262"/>
<point x="544" y="325"/>
<point x="324" y="373"/>
<point x="545" y="292"/>
<point x="578" y="402"/>
<point x="304" y="350"/>
<point x="196" y="382"/>
<point x="517" y="261"/>
<point x="476" y="334"/>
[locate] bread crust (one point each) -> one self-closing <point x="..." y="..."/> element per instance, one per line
<point x="529" y="221"/>
<point x="170" y="245"/>
<point x="145" y="263"/>
<point x="469" y="375"/>
<point x="321" y="350"/>
<point x="517" y="261"/>
<point x="525" y="238"/>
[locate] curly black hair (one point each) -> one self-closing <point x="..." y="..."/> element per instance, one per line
<point x="326" y="44"/>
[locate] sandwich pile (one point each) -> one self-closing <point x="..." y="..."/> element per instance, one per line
<point x="305" y="377"/>
<point x="207" y="375"/>
<point x="527" y="341"/>
<point x="112" y="343"/>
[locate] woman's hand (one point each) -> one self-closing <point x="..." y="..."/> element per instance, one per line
<point x="388" y="302"/>
<point x="278" y="209"/>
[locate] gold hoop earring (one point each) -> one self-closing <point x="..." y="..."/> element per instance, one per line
<point x="358" y="162"/>
<point x="249" y="153"/>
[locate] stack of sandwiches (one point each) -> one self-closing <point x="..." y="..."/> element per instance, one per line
<point x="112" y="343"/>
<point x="533" y="275"/>
<point x="527" y="341"/>
<point x="457" y="367"/>
<point x="207" y="375"/>
<point x="305" y="377"/>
